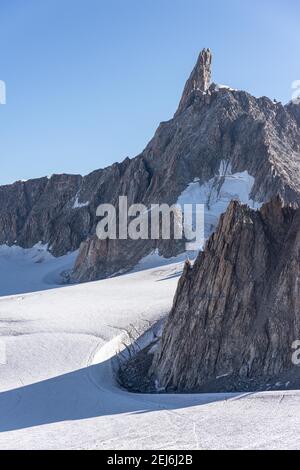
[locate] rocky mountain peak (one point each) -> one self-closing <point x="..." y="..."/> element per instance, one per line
<point x="199" y="79"/>
<point x="216" y="133"/>
<point x="236" y="311"/>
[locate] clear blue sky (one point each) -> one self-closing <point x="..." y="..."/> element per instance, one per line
<point x="88" y="81"/>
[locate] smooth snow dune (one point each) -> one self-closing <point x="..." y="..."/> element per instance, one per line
<point x="58" y="390"/>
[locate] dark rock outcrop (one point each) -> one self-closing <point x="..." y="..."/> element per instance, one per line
<point x="236" y="312"/>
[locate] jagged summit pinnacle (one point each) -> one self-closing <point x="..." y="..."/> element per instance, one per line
<point x="200" y="77"/>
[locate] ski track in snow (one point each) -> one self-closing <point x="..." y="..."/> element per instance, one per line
<point x="58" y="389"/>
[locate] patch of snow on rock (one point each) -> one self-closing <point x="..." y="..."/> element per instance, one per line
<point x="224" y="87"/>
<point x="78" y="205"/>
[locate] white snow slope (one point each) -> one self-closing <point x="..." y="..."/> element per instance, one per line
<point x="33" y="269"/>
<point x="57" y="388"/>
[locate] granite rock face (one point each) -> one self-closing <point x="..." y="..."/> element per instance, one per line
<point x="59" y="211"/>
<point x="212" y="125"/>
<point x="236" y="312"/>
<point x="199" y="79"/>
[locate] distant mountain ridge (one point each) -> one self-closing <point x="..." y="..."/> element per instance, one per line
<point x="212" y="125"/>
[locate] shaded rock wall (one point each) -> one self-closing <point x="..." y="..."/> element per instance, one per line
<point x="236" y="312"/>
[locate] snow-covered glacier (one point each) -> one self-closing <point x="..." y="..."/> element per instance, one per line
<point x="217" y="193"/>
